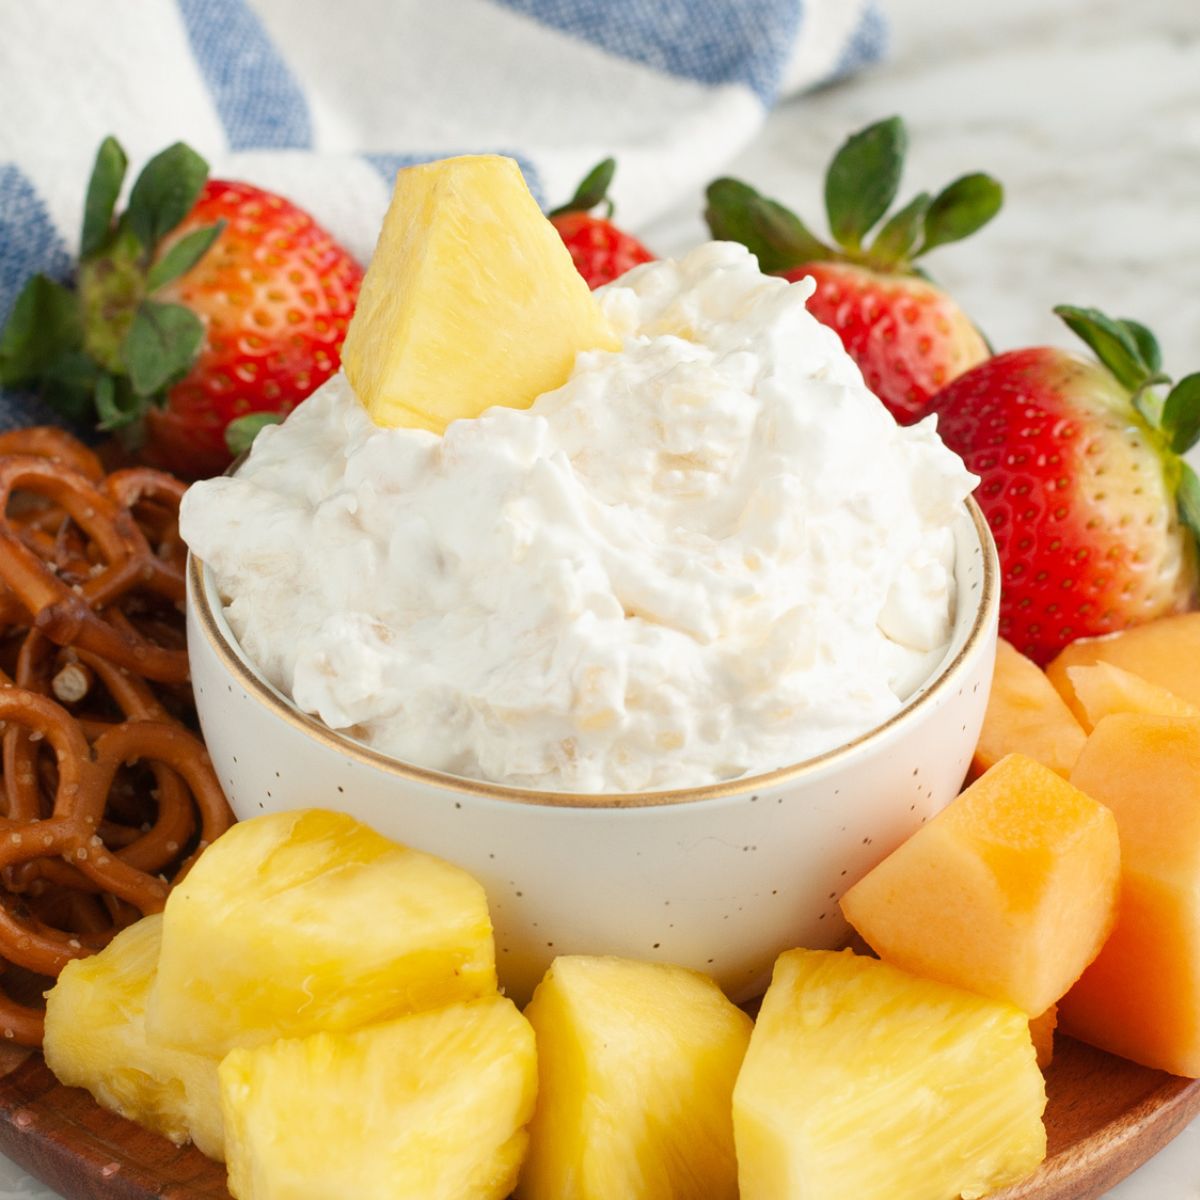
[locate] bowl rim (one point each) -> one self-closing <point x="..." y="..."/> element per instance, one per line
<point x="232" y="658"/>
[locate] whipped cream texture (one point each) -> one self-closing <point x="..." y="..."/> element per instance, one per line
<point x="711" y="553"/>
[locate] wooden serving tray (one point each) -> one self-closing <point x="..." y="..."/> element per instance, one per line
<point x="1106" y="1117"/>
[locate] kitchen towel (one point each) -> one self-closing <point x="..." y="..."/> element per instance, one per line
<point x="325" y="101"/>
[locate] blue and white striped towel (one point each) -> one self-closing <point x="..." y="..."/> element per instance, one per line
<point x="323" y="100"/>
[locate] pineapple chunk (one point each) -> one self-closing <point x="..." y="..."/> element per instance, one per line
<point x="431" y="1106"/>
<point x="96" y="1039"/>
<point x="636" y="1065"/>
<point x="303" y="921"/>
<point x="864" y="1081"/>
<point x="471" y="299"/>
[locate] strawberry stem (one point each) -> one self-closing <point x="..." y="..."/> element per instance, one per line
<point x="111" y="286"/>
<point x="107" y="350"/>
<point x="592" y="191"/>
<point x="862" y="182"/>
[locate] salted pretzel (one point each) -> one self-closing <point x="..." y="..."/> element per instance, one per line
<point x="152" y="849"/>
<point x="91" y="590"/>
<point x="57" y="445"/>
<point x="73" y="614"/>
<point x="154" y="498"/>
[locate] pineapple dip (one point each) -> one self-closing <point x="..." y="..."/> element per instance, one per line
<point x="710" y="553"/>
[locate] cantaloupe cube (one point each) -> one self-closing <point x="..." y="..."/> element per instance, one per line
<point x="1009" y="891"/>
<point x="1141" y="997"/>
<point x="1102" y="689"/>
<point x="1026" y="715"/>
<point x="636" y="1066"/>
<point x="863" y="1082"/>
<point x="1164" y="652"/>
<point x="1041" y="1029"/>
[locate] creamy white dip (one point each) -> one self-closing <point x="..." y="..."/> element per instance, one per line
<point x="711" y="553"/>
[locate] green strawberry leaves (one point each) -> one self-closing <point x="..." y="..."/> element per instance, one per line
<point x="737" y="213"/>
<point x="117" y="407"/>
<point x="241" y="432"/>
<point x="164" y="193"/>
<point x="1146" y="343"/>
<point x="107" y="349"/>
<point x="108" y="174"/>
<point x="161" y="345"/>
<point x="592" y="191"/>
<point x="897" y="240"/>
<point x="960" y="209"/>
<point x="45" y="323"/>
<point x="861" y="185"/>
<point x="1187" y="497"/>
<point x="1120" y="345"/>
<point x="1132" y="354"/>
<point x="1181" y="414"/>
<point x="863" y="180"/>
<point x="182" y="256"/>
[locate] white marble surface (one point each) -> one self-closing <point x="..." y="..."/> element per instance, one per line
<point x="1089" y="111"/>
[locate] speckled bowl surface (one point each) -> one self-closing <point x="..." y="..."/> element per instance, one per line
<point x="720" y="878"/>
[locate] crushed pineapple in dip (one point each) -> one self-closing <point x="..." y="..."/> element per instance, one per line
<point x="711" y="552"/>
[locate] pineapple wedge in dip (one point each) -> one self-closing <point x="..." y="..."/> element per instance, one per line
<point x="709" y="553"/>
<point x="501" y="311"/>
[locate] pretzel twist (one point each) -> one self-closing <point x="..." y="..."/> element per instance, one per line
<point x="69" y="613"/>
<point x="91" y="575"/>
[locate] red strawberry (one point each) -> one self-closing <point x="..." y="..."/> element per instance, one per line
<point x="601" y="252"/>
<point x="908" y="337"/>
<point x="1094" y="512"/>
<point x="200" y="304"/>
<point x="275" y="293"/>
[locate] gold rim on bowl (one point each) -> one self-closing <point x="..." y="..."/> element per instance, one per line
<point x="231" y="657"/>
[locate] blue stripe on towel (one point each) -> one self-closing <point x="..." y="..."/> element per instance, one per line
<point x="388" y="164"/>
<point x="710" y="41"/>
<point x="28" y="243"/>
<point x="28" y="240"/>
<point x="867" y="44"/>
<point x="259" y="101"/>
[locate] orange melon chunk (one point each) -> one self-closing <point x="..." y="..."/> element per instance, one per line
<point x="1163" y="652"/>
<point x="1141" y="997"/>
<point x="1041" y="1030"/>
<point x="1102" y="689"/>
<point x="1026" y="715"/>
<point x="1010" y="891"/>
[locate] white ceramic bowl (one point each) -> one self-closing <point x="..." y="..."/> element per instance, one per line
<point x="720" y="878"/>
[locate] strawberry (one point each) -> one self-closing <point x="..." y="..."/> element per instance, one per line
<point x="907" y="336"/>
<point x="1095" y="513"/>
<point x="600" y="250"/>
<point x="200" y="312"/>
